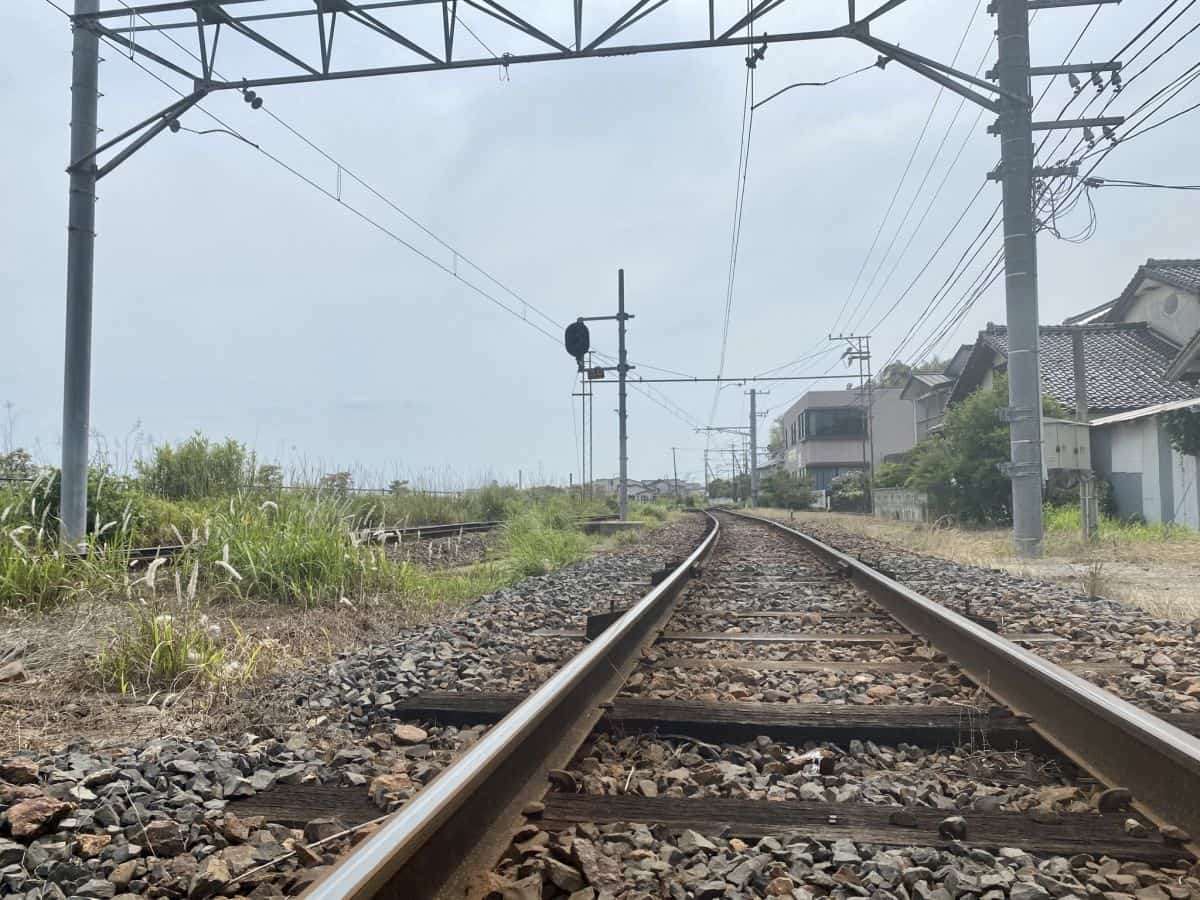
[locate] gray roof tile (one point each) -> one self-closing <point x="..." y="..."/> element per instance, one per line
<point x="1125" y="364"/>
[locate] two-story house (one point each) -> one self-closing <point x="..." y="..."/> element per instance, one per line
<point x="825" y="432"/>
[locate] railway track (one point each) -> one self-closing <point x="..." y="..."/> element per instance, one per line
<point x="774" y="718"/>
<point x="139" y="555"/>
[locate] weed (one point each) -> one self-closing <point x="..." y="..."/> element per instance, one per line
<point x="1091" y="579"/>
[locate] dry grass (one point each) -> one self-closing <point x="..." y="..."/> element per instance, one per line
<point x="1152" y="568"/>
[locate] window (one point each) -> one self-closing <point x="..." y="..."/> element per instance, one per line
<point x="834" y="423"/>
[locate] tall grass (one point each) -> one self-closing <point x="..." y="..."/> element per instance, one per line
<point x="541" y="539"/>
<point x="1063" y="520"/>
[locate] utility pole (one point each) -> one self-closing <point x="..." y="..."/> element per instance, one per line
<point x="733" y="465"/>
<point x="81" y="246"/>
<point x="622" y="372"/>
<point x="591" y="444"/>
<point x="1088" y="518"/>
<point x="1015" y="126"/>
<point x="858" y="350"/>
<point x="675" y="470"/>
<point x="753" y="448"/>
<point x="707" y="496"/>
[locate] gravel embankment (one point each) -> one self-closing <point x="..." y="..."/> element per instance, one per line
<point x="153" y="820"/>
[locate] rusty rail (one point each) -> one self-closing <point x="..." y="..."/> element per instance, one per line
<point x="1117" y="742"/>
<point x="457" y="827"/>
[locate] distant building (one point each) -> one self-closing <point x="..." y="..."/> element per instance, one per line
<point x="929" y="393"/>
<point x="825" y="432"/>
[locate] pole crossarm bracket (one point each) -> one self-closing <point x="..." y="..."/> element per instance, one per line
<point x="150" y="127"/>
<point x="947" y="76"/>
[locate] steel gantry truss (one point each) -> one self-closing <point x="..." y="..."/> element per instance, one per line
<point x="424" y="35"/>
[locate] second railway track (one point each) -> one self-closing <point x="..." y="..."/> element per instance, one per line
<point x="791" y="723"/>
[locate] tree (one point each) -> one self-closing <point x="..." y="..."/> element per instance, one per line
<point x="959" y="468"/>
<point x="784" y="490"/>
<point x="848" y="492"/>
<point x="1183" y="430"/>
<point x="775" y="442"/>
<point x="893" y="375"/>
<point x="17" y="465"/>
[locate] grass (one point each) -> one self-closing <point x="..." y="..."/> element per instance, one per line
<point x="170" y="625"/>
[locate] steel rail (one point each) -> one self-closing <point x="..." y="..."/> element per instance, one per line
<point x="385" y="535"/>
<point x="1117" y="742"/>
<point x="456" y="828"/>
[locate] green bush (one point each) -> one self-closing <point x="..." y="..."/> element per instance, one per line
<point x="959" y="468"/>
<point x="537" y="541"/>
<point x="785" y="490"/>
<point x="198" y="468"/>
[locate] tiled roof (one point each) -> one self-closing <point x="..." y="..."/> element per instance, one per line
<point x="1125" y="365"/>
<point x="1178" y="273"/>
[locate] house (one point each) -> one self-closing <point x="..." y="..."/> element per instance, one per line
<point x="1149" y="477"/>
<point x="1125" y="365"/>
<point x="929" y="392"/>
<point x="825" y="432"/>
<point x="1141" y="354"/>
<point x="1165" y="294"/>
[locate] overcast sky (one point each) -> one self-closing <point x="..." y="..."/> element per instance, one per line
<point x="234" y="299"/>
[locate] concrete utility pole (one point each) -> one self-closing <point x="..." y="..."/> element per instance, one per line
<point x="753" y="448"/>
<point x="1015" y="126"/>
<point x="622" y="371"/>
<point x="675" y="470"/>
<point x="81" y="245"/>
<point x="1088" y="514"/>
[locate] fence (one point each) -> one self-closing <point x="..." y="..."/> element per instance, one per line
<point x="901" y="504"/>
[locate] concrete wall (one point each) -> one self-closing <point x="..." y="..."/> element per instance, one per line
<point x="1149" y="477"/>
<point x="901" y="504"/>
<point x="1179" y="320"/>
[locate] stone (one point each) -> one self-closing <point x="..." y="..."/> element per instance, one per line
<point x="320" y="829"/>
<point x="565" y="877"/>
<point x="903" y="818"/>
<point x="953" y="827"/>
<point x="211" y="878"/>
<point x="36" y="816"/>
<point x="526" y="889"/>
<point x="12" y="671"/>
<point x="164" y="838"/>
<point x="386" y="788"/>
<point x="241" y="858"/>
<point x="90" y="845"/>
<point x="1025" y="890"/>
<point x="10" y="852"/>
<point x="691" y="841"/>
<point x="124" y="873"/>
<point x="99" y="888"/>
<point x="410" y="734"/>
<point x="844" y="851"/>
<point x="1136" y="829"/>
<point x="1115" y="799"/>
<point x="19" y="770"/>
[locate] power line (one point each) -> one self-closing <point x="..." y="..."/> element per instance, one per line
<point x="929" y="171"/>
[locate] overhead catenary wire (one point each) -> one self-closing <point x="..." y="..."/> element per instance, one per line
<point x="385" y="230"/>
<point x="852" y="323"/>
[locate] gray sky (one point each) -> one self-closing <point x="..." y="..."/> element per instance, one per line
<point x="234" y="299"/>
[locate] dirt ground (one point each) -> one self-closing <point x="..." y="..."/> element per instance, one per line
<point x="1159" y="576"/>
<point x="61" y="692"/>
